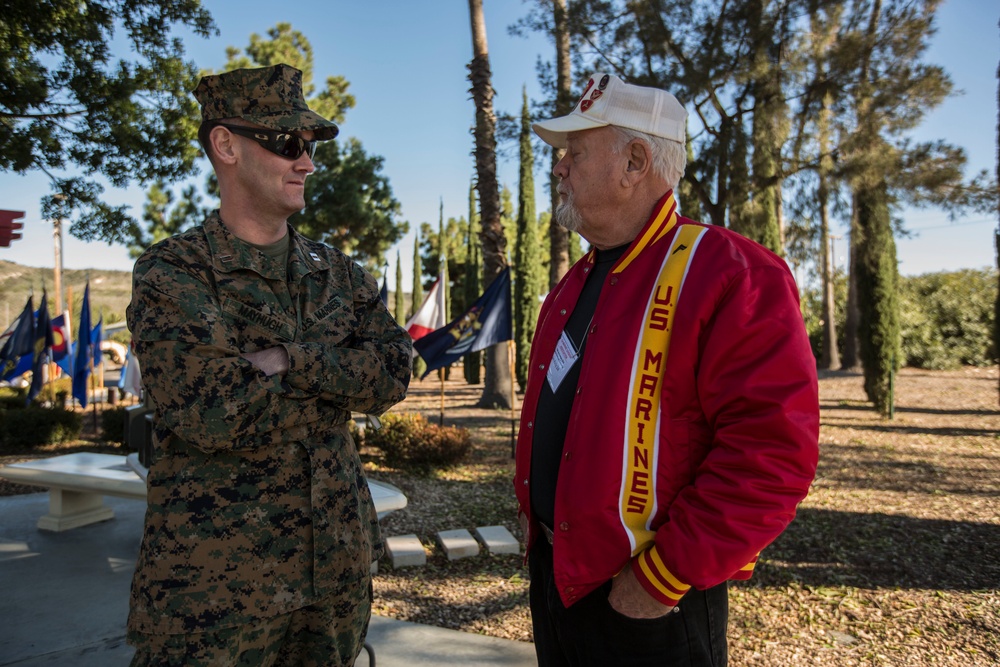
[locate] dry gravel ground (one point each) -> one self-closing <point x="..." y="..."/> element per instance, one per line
<point x="894" y="558"/>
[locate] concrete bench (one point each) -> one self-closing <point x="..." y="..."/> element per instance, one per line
<point x="77" y="485"/>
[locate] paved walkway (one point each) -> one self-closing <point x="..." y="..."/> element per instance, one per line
<point x="64" y="600"/>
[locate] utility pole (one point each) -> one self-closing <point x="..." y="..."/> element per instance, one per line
<point x="57" y="272"/>
<point x="57" y="238"/>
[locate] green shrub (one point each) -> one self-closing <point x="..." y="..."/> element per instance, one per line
<point x="55" y="392"/>
<point x="113" y="425"/>
<point x="409" y="441"/>
<point x="946" y="319"/>
<point x="37" y="426"/>
<point x="11" y="398"/>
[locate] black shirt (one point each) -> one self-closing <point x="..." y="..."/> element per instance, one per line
<point x="552" y="415"/>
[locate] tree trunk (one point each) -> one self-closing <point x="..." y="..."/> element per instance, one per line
<point x="996" y="318"/>
<point x="558" y="236"/>
<point x="851" y="361"/>
<point x="761" y="220"/>
<point x="497" y="385"/>
<point x="866" y="136"/>
<point x="829" y="357"/>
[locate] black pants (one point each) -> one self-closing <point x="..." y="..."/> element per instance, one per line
<point x="592" y="633"/>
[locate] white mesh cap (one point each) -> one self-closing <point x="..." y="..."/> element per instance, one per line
<point x="608" y="100"/>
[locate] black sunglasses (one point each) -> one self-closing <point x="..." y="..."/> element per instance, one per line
<point x="285" y="144"/>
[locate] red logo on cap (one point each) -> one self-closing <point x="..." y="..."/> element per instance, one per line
<point x="584" y="103"/>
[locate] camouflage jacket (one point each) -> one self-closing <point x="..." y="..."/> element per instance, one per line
<point x="257" y="503"/>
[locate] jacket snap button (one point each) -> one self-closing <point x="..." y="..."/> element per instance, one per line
<point x="570" y="589"/>
<point x="614" y="281"/>
<point x="569" y="455"/>
<point x="541" y="367"/>
<point x="529" y="424"/>
<point x="525" y="482"/>
<point x="564" y="526"/>
<point x="562" y="312"/>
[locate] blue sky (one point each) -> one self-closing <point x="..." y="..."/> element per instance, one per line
<point x="406" y="62"/>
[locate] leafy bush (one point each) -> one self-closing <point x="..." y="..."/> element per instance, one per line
<point x="55" y="392"/>
<point x="946" y="319"/>
<point x="113" y="425"/>
<point x="35" y="426"/>
<point x="11" y="398"/>
<point x="409" y="441"/>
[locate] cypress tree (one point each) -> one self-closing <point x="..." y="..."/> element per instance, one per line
<point x="473" y="361"/>
<point x="878" y="303"/>
<point x="443" y="266"/>
<point x="527" y="260"/>
<point x="445" y="277"/>
<point x="400" y="313"/>
<point x="419" y="366"/>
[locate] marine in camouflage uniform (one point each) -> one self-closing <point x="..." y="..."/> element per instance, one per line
<point x="257" y="502"/>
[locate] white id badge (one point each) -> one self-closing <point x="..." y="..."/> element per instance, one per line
<point x="562" y="360"/>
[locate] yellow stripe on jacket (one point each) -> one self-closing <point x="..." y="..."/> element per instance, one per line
<point x="637" y="499"/>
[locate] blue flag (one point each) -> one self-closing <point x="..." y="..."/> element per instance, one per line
<point x="84" y="355"/>
<point x="41" y="348"/>
<point x="486" y="323"/>
<point x="16" y="353"/>
<point x="96" y="336"/>
<point x="62" y="346"/>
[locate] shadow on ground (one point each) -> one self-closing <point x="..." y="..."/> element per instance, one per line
<point x="872" y="550"/>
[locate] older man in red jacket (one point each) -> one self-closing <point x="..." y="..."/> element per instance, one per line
<point x="671" y="417"/>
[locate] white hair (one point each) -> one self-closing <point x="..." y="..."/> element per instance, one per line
<point x="669" y="157"/>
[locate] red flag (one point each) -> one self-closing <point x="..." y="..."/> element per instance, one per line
<point x="430" y="317"/>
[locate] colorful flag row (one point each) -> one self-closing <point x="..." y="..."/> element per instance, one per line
<point x="34" y="339"/>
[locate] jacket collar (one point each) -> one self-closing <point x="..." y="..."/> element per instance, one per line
<point x="660" y="223"/>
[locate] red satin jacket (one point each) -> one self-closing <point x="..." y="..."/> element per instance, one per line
<point x="694" y="431"/>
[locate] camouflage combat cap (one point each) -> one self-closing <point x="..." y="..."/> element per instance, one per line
<point x="268" y="96"/>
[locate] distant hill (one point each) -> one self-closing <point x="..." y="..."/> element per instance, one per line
<point x="110" y="291"/>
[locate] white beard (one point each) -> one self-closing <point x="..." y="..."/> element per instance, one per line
<point x="568" y="216"/>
